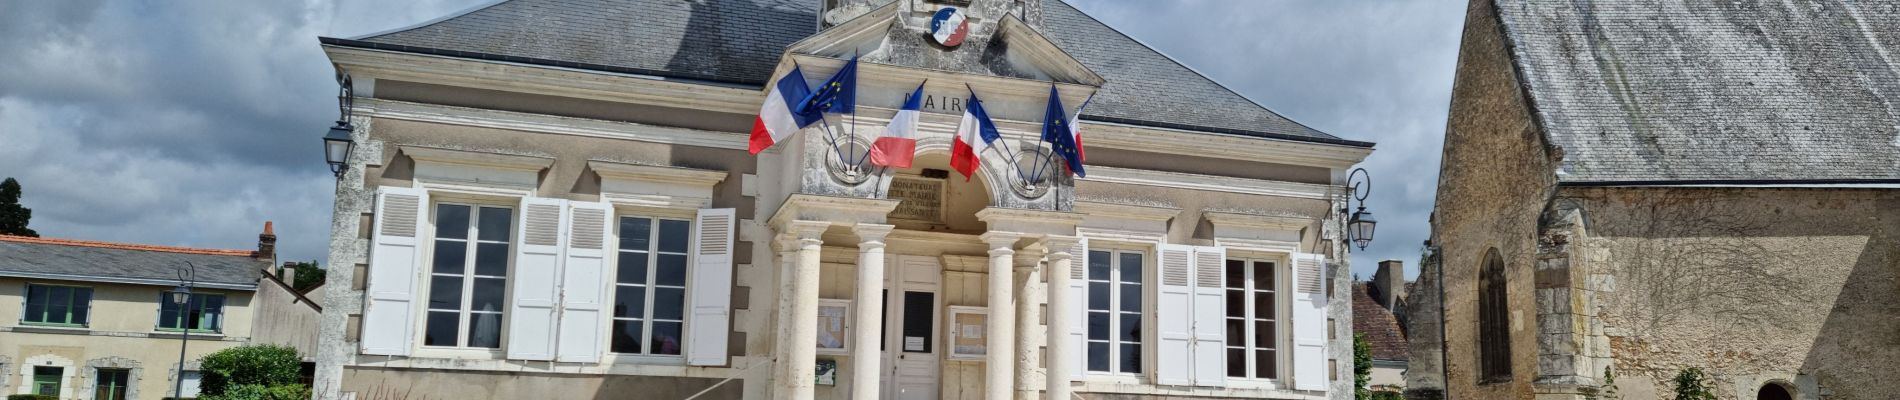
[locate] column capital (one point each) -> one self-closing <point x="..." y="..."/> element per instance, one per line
<point x="806" y="229"/>
<point x="1000" y="240"/>
<point x="871" y="233"/>
<point x="1059" y="246"/>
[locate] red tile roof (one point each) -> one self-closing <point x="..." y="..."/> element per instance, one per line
<point x="1378" y="325"/>
<point x="127" y="246"/>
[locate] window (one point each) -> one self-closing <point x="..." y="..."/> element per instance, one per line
<point x="1494" y="334"/>
<point x="204" y="313"/>
<point x="111" y="384"/>
<point x="468" y="276"/>
<point x="1253" y="317"/>
<point x="1114" y="311"/>
<point x="46" y="380"/>
<point x="57" y="305"/>
<point x="650" y="286"/>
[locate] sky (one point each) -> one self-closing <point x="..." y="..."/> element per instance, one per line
<point x="191" y="123"/>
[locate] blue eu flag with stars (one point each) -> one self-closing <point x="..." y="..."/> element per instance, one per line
<point x="1055" y="130"/>
<point x="838" y="95"/>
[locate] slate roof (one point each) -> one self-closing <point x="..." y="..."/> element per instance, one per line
<point x="738" y="42"/>
<point x="84" y="260"/>
<point x="1708" y="92"/>
<point x="1378" y="325"/>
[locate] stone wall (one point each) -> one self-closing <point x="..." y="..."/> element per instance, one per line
<point x="1496" y="177"/>
<point x="1756" y="286"/>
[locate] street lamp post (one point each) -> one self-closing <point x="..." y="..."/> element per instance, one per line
<point x="181" y="296"/>
<point x="1359" y="227"/>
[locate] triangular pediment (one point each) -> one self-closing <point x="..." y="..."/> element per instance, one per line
<point x="1001" y="46"/>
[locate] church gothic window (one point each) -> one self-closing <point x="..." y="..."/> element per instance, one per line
<point x="1494" y="335"/>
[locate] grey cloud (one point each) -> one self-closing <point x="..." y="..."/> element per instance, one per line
<point x="189" y="123"/>
<point x="1378" y="71"/>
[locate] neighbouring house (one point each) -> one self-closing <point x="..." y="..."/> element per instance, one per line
<point x="554" y="199"/>
<point x="1376" y="305"/>
<point x="1634" y="189"/>
<point x="96" y="320"/>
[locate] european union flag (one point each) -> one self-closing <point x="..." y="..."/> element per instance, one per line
<point x="836" y="95"/>
<point x="1055" y="130"/>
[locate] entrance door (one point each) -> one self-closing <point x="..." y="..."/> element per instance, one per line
<point x="912" y="356"/>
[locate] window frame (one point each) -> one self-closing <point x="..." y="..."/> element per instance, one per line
<point x="1282" y="292"/>
<point x="58" y="379"/>
<point x="1143" y="340"/>
<point x="1494" y="320"/>
<point x="99" y="377"/>
<point x="475" y="203"/>
<point x="27" y="298"/>
<point x="165" y="298"/>
<point x="653" y="254"/>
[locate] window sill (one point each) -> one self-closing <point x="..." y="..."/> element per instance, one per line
<point x="54" y="329"/>
<point x="641" y="359"/>
<point x="173" y="334"/>
<point x="460" y="353"/>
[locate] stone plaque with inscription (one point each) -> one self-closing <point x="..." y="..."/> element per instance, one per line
<point x="920" y="199"/>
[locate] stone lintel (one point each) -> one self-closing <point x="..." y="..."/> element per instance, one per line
<point x="1030" y="223"/>
<point x="842" y="210"/>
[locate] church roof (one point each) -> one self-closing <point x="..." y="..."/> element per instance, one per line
<point x="739" y="42"/>
<point x="1713" y="92"/>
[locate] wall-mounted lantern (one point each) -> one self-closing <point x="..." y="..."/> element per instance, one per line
<point x="1360" y="226"/>
<point x="337" y="144"/>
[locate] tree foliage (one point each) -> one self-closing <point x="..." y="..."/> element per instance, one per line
<point x="249" y="370"/>
<point x="1361" y="367"/>
<point x="1692" y="384"/>
<point x="13" y="217"/>
<point x="309" y="275"/>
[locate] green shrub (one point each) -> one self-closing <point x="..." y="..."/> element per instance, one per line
<point x="261" y="392"/>
<point x="30" y="397"/>
<point x="1692" y="384"/>
<point x="267" y="366"/>
<point x="1387" y="396"/>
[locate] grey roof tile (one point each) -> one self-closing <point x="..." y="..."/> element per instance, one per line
<point x="1713" y="91"/>
<point x="98" y="261"/>
<point x="740" y="41"/>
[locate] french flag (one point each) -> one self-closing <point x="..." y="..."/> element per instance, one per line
<point x="898" y="143"/>
<point x="1075" y="128"/>
<point x="974" y="135"/>
<point x="776" y="120"/>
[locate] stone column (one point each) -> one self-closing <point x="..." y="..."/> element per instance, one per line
<point x="1061" y="316"/>
<point x="999" y="363"/>
<point x="1029" y="293"/>
<point x="787" y="246"/>
<point x="801" y="341"/>
<point x="866" y="362"/>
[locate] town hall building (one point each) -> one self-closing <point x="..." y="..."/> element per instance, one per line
<point x="554" y="199"/>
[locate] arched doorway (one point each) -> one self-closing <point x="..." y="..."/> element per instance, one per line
<point x="1774" y="391"/>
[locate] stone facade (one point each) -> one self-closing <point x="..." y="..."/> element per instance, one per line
<point x="1771" y="282"/>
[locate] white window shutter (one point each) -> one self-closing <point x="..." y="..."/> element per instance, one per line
<point x="1210" y="317"/>
<point x="1309" y="322"/>
<point x="584" y="282"/>
<point x="395" y="259"/>
<point x="539" y="235"/>
<point x="710" y="289"/>
<point x="1175" y="320"/>
<point x="1078" y="310"/>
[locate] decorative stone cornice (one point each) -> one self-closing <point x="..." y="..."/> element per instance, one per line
<point x="657" y="174"/>
<point x="369" y="64"/>
<point x="1214" y="183"/>
<point x="1127" y="211"/>
<point x="843" y="210"/>
<point x="1029" y="221"/>
<point x="1268" y="222"/>
<point x="549" y="124"/>
<point x="477" y="158"/>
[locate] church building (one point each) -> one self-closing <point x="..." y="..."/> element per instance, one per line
<point x="554" y="199"/>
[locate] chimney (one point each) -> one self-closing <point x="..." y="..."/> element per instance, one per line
<point x="266" y="244"/>
<point x="1388" y="284"/>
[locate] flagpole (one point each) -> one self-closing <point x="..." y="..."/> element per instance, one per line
<point x="1013" y="163"/>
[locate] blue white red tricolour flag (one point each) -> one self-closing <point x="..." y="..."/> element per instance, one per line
<point x="898" y="143"/>
<point x="974" y="135"/>
<point x="776" y="121"/>
<point x="1075" y="128"/>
